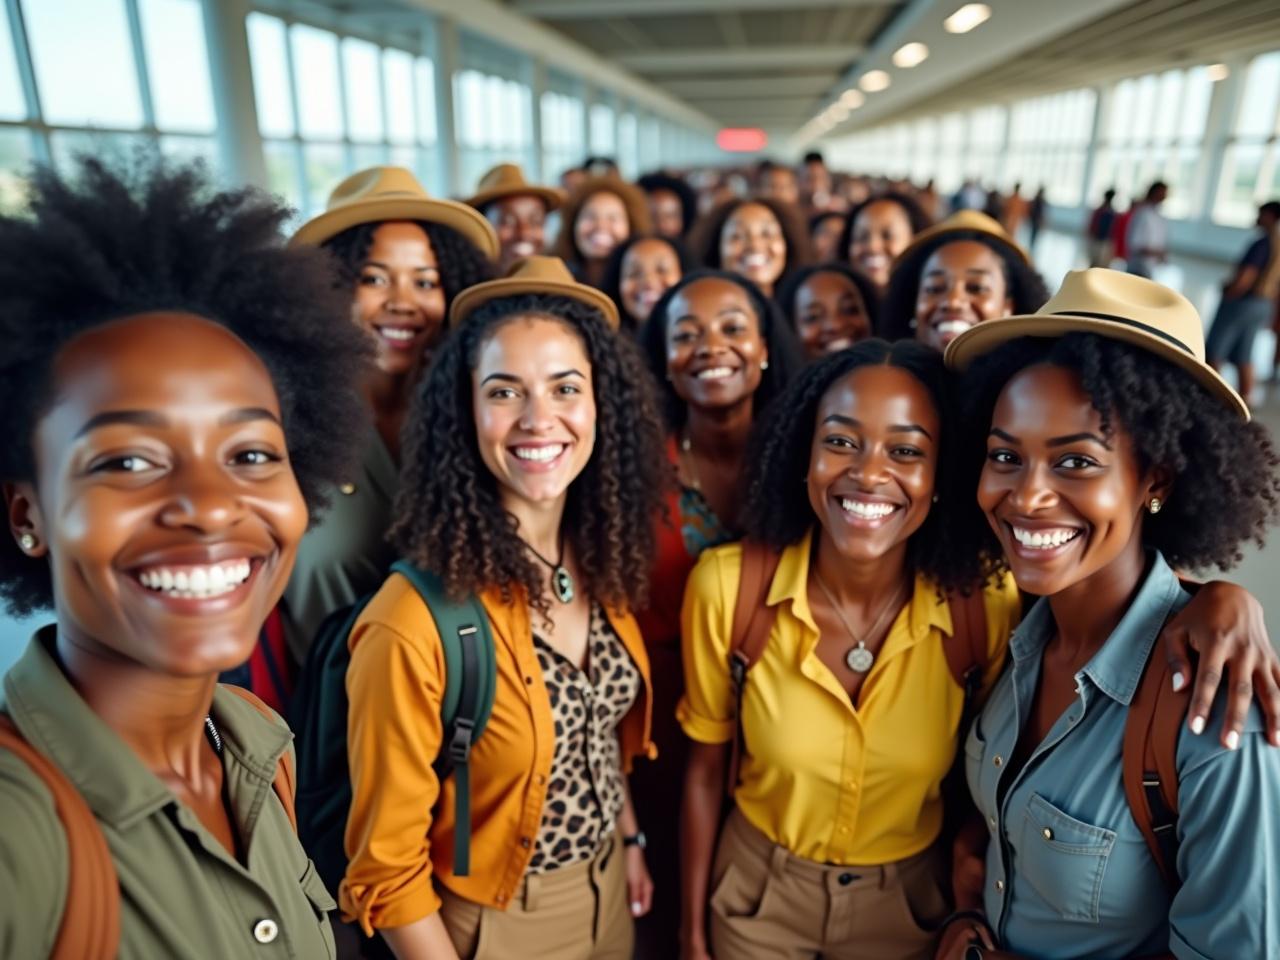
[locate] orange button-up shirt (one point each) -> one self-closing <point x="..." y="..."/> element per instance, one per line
<point x="400" y="828"/>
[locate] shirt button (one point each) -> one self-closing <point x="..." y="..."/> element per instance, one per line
<point x="1048" y="834"/>
<point x="265" y="931"/>
<point x="1000" y="886"/>
<point x="525" y="842"/>
<point x="845" y="879"/>
<point x="998" y="760"/>
<point x="539" y="779"/>
<point x="844" y="829"/>
<point x="991" y="822"/>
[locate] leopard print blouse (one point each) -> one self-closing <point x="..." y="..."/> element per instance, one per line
<point x="584" y="797"/>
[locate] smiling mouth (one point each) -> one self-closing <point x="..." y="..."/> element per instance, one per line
<point x="399" y="337"/>
<point x="755" y="261"/>
<point x="837" y="344"/>
<point x="196" y="581"/>
<point x="1043" y="541"/>
<point x="715" y="373"/>
<point x="952" y="328"/>
<point x="867" y="510"/>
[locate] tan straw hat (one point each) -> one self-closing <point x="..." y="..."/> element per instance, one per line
<point x="379" y="194"/>
<point x="507" y="180"/>
<point x="1111" y="304"/>
<point x="532" y="275"/>
<point x="964" y="221"/>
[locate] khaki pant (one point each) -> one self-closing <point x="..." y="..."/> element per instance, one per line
<point x="574" y="913"/>
<point x="768" y="904"/>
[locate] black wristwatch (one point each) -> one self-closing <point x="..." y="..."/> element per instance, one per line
<point x="636" y="839"/>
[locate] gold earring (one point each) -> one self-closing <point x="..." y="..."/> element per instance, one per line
<point x="1155" y="505"/>
<point x="27" y="541"/>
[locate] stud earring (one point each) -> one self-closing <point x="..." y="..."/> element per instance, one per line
<point x="935" y="498"/>
<point x="764" y="364"/>
<point x="27" y="541"/>
<point x="1155" y="505"/>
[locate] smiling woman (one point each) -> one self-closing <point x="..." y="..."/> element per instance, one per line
<point x="162" y="383"/>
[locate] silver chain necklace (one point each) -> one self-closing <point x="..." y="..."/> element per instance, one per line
<point x="859" y="659"/>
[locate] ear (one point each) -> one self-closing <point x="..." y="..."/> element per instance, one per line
<point x="25" y="518"/>
<point x="1159" y="485"/>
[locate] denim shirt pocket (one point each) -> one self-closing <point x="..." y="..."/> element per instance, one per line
<point x="975" y="749"/>
<point x="1063" y="859"/>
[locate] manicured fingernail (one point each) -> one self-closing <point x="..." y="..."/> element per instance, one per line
<point x="1233" y="740"/>
<point x="1197" y="724"/>
<point x="636" y="907"/>
<point x="1179" y="681"/>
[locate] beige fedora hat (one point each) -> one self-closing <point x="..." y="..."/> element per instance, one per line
<point x="507" y="180"/>
<point x="532" y="275"/>
<point x="964" y="221"/>
<point x="1110" y="304"/>
<point x="392" y="193"/>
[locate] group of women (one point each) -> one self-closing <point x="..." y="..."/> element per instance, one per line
<point x="213" y="427"/>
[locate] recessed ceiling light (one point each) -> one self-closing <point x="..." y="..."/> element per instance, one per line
<point x="873" y="81"/>
<point x="839" y="113"/>
<point x="909" y="55"/>
<point x="853" y="99"/>
<point x="1216" y="72"/>
<point x="967" y="17"/>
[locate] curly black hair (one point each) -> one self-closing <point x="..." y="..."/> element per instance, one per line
<point x="126" y="236"/>
<point x="787" y="293"/>
<point x="1026" y="287"/>
<point x="460" y="261"/>
<point x="704" y="238"/>
<point x="777" y="511"/>
<point x="653" y="182"/>
<point x="785" y="355"/>
<point x="448" y="515"/>
<point x="1214" y="456"/>
<point x="611" y="285"/>
<point x="909" y="204"/>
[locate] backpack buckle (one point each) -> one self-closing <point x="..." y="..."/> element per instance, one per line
<point x="738" y="669"/>
<point x="460" y="742"/>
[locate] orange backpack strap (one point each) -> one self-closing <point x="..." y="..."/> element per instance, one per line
<point x="752" y="622"/>
<point x="966" y="649"/>
<point x="285" y="783"/>
<point x="1150" y="762"/>
<point x="90" y="928"/>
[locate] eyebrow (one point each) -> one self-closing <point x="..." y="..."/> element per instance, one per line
<point x="893" y="427"/>
<point x="512" y="378"/>
<point x="937" y="270"/>
<point x="148" y="418"/>
<point x="1055" y="441"/>
<point x="383" y="266"/>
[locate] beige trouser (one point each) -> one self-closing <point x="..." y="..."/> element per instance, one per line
<point x="573" y="913"/>
<point x="768" y="904"/>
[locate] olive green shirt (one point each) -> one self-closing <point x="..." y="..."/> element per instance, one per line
<point x="181" y="894"/>
<point x="346" y="555"/>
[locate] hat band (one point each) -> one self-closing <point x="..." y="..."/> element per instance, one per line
<point x="1137" y="325"/>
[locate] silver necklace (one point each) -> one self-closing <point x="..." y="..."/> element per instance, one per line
<point x="686" y="447"/>
<point x="561" y="579"/>
<point x="859" y="659"/>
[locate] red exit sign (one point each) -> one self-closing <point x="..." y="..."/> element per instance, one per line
<point x="742" y="139"/>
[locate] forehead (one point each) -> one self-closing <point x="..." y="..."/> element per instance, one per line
<point x="709" y="296"/>
<point x="827" y="283"/>
<point x="1045" y="401"/>
<point x="520" y="205"/>
<point x="883" y="213"/>
<point x="881" y="395"/>
<point x="649" y="250"/>
<point x="401" y="238"/>
<point x="604" y="202"/>
<point x="963" y="255"/>
<point x="532" y="346"/>
<point x="751" y="215"/>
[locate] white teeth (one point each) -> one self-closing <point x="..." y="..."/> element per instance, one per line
<point x="201" y="582"/>
<point x="715" y="373"/>
<point x="755" y="260"/>
<point x="953" y="326"/>
<point x="841" y="343"/>
<point x="1046" y="539"/>
<point x="868" y="511"/>
<point x="524" y="249"/>
<point x="402" y="334"/>
<point x="875" y="261"/>
<point x="540" y="454"/>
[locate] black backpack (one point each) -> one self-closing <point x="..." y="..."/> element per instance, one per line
<point x="318" y="715"/>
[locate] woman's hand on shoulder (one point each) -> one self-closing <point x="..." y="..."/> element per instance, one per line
<point x="1224" y="624"/>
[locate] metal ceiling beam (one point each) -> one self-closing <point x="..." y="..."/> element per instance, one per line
<point x="751" y="85"/>
<point x="595" y="10"/>
<point x="694" y="60"/>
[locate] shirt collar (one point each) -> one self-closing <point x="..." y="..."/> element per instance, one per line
<point x="119" y="789"/>
<point x="1116" y="669"/>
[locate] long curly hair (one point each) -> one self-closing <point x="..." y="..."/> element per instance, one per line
<point x="910" y="206"/>
<point x="633" y="199"/>
<point x="704" y="239"/>
<point x="1026" y="287"/>
<point x="1216" y="458"/>
<point x="611" y="285"/>
<point x="127" y="236"/>
<point x="448" y="514"/>
<point x="658" y="180"/>
<point x="777" y="511"/>
<point x="785" y="356"/>
<point x="790" y="291"/>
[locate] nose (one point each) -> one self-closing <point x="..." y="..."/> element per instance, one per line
<point x="536" y="417"/>
<point x="400" y="295"/>
<point x="204" y="502"/>
<point x="1032" y="491"/>
<point x="870" y="470"/>
<point x="955" y="295"/>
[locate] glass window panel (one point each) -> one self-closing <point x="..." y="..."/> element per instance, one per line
<point x="1122" y="105"/>
<point x="1144" y="108"/>
<point x="424" y="98"/>
<point x="315" y="67"/>
<point x="282" y="170"/>
<point x="324" y="166"/>
<point x="364" y="155"/>
<point x="1168" y="105"/>
<point x="364" y="89"/>
<point x="178" y="64"/>
<point x="65" y="145"/>
<point x="15" y="156"/>
<point x="1241" y="168"/>
<point x="270" y="65"/>
<point x="397" y="73"/>
<point x="602" y="132"/>
<point x="1257" y="116"/>
<point x="106" y="97"/>
<point x="13" y="103"/>
<point x="191" y="148"/>
<point x="1195" y="105"/>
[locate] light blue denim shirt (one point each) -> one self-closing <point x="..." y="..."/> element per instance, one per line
<point x="1068" y="873"/>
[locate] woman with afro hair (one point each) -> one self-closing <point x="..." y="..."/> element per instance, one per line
<point x="532" y="471"/>
<point x="179" y="392"/>
<point x="761" y="240"/>
<point x="402" y="257"/>
<point x="958" y="273"/>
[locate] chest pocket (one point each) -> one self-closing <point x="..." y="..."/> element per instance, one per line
<point x="322" y="903"/>
<point x="1063" y="859"/>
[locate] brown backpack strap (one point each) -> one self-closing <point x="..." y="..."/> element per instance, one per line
<point x="1150" y="762"/>
<point x="90" y="928"/>
<point x="285" y="783"/>
<point x="752" y="622"/>
<point x="966" y="649"/>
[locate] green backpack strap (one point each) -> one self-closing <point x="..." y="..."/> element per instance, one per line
<point x="471" y="679"/>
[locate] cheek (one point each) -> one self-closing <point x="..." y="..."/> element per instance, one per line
<point x="365" y="306"/>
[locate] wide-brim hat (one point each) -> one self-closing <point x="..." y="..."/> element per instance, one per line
<point x="963" y="221"/>
<point x="545" y="275"/>
<point x="379" y="194"/>
<point x="1111" y="304"/>
<point x="507" y="180"/>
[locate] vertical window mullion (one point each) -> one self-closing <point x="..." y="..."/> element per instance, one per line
<point x="299" y="158"/>
<point x="27" y="77"/>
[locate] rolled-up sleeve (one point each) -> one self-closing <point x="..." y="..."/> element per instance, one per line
<point x="1229" y="828"/>
<point x="705" y="711"/>
<point x="393" y="735"/>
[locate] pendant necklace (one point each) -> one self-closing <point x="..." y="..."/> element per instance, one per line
<point x="859" y="659"/>
<point x="686" y="448"/>
<point x="561" y="579"/>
